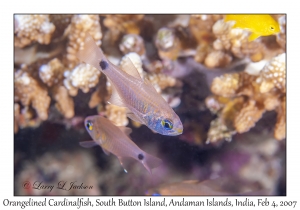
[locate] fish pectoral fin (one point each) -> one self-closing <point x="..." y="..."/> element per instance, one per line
<point x="125" y="130"/>
<point x="115" y="98"/>
<point x="253" y="36"/>
<point x="121" y="159"/>
<point x="106" y="151"/>
<point x="129" y="68"/>
<point x="88" y="144"/>
<point x="134" y="117"/>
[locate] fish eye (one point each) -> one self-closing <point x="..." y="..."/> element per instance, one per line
<point x="167" y="124"/>
<point x="89" y="125"/>
<point x="272" y="28"/>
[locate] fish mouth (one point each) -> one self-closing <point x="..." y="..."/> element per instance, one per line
<point x="179" y="130"/>
<point x="176" y="132"/>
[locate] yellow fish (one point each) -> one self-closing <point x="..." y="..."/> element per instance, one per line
<point x="259" y="25"/>
<point x="144" y="104"/>
<point x="114" y="140"/>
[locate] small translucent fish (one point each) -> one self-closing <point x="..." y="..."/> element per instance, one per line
<point x="259" y="25"/>
<point x="205" y="188"/>
<point x="115" y="140"/>
<point x="129" y="90"/>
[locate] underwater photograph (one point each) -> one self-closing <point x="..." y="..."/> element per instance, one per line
<point x="149" y="104"/>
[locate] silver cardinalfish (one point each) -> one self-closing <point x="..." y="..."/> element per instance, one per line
<point x="114" y="140"/>
<point x="129" y="90"/>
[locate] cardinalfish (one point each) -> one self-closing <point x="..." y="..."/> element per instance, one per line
<point x="259" y="25"/>
<point x="115" y="140"/>
<point x="129" y="90"/>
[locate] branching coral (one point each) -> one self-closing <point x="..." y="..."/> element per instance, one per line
<point x="29" y="92"/>
<point x="167" y="43"/>
<point x="116" y="114"/>
<point x="201" y="27"/>
<point x="29" y="28"/>
<point x="236" y="41"/>
<point x="81" y="77"/>
<point x="132" y="43"/>
<point x="80" y="25"/>
<point x="229" y="43"/>
<point x="61" y="23"/>
<point x="64" y="103"/>
<point x="250" y="97"/>
<point x="51" y="73"/>
<point x="217" y="59"/>
<point x="218" y="130"/>
<point x="273" y="75"/>
<point x="127" y="24"/>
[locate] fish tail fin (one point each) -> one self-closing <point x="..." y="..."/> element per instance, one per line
<point x="151" y="162"/>
<point x="91" y="53"/>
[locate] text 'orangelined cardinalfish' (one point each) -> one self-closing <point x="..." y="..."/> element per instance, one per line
<point x="114" y="140"/>
<point x="129" y="90"/>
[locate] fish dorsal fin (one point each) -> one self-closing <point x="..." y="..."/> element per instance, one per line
<point x="129" y="68"/>
<point x="88" y="144"/>
<point x="149" y="85"/>
<point x="253" y="36"/>
<point x="106" y="151"/>
<point x="115" y="98"/>
<point x="134" y="117"/>
<point x="125" y="130"/>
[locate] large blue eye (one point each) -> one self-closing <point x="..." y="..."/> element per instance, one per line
<point x="167" y="124"/>
<point x="89" y="125"/>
